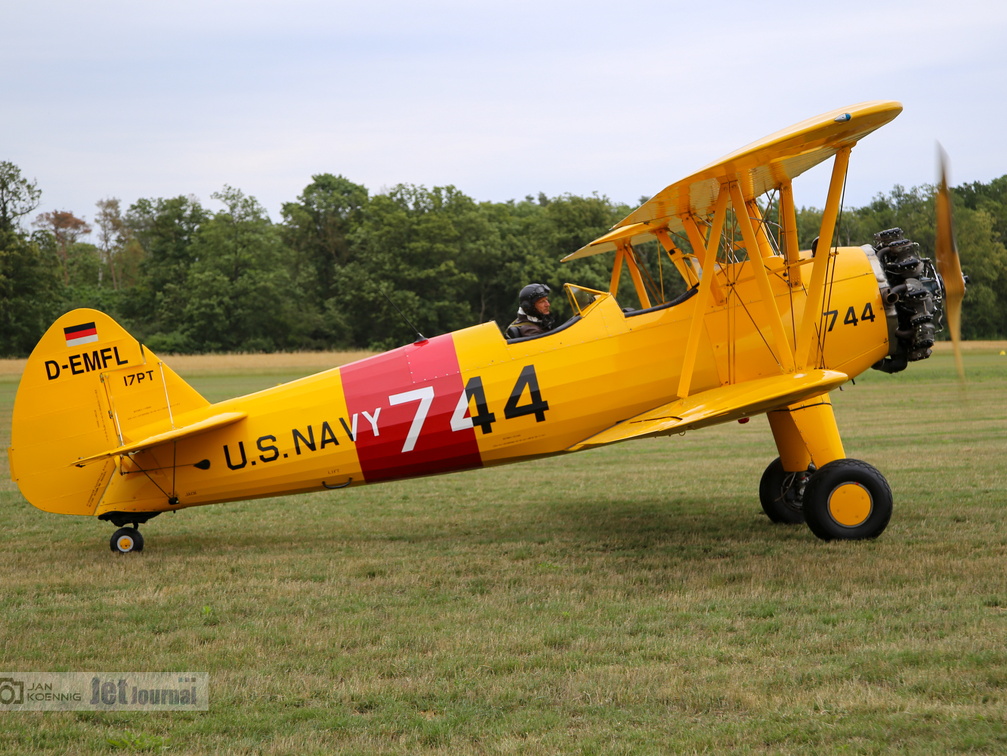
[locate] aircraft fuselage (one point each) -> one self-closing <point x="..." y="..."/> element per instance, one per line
<point x="470" y="399"/>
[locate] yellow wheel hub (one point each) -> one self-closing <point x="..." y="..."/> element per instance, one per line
<point x="850" y="504"/>
<point x="125" y="543"/>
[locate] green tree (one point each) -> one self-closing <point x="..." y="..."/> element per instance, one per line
<point x="990" y="198"/>
<point x="318" y="226"/>
<point x="563" y="225"/>
<point x="984" y="261"/>
<point x="410" y="245"/>
<point x="162" y="233"/>
<point x="18" y="196"/>
<point x="504" y="259"/>
<point x="31" y="292"/>
<point x="238" y="294"/>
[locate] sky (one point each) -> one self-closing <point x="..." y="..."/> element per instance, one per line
<point x="502" y="100"/>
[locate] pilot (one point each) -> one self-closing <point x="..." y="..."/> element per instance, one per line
<point x="533" y="314"/>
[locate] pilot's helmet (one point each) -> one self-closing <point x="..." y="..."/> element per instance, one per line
<point x="530" y="294"/>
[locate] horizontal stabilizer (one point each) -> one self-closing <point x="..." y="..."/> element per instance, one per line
<point x="719" y="405"/>
<point x="210" y="423"/>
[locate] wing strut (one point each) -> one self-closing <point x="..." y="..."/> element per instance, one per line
<point x="791" y="245"/>
<point x="748" y="234"/>
<point x="819" y="269"/>
<point x="675" y="255"/>
<point x="613" y="284"/>
<point x="706" y="249"/>
<point x="707" y="284"/>
<point x="624" y="254"/>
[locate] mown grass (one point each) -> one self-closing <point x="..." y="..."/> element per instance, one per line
<point x="630" y="599"/>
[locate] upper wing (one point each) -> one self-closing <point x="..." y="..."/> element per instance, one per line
<point x="719" y="405"/>
<point x="760" y="167"/>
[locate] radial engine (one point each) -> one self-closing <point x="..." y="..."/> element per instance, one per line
<point x="913" y="294"/>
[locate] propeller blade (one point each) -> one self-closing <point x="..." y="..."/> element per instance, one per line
<point x="948" y="263"/>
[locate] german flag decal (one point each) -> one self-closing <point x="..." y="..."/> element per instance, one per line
<point x="84" y="333"/>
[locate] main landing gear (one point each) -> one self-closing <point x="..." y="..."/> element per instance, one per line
<point x="845" y="499"/>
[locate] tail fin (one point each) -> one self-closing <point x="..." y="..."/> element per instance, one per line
<point x="88" y="387"/>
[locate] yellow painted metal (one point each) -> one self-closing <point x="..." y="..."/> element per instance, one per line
<point x="850" y="504"/>
<point x="806" y="343"/>
<point x="246" y="455"/>
<point x="710" y="291"/>
<point x="200" y="426"/>
<point x="765" y="164"/>
<point x="706" y="247"/>
<point x="613" y="286"/>
<point x="675" y="255"/>
<point x="153" y="444"/>
<point x="584" y="368"/>
<point x="637" y="232"/>
<point x="793" y="451"/>
<point x="634" y="272"/>
<point x="782" y="346"/>
<point x="719" y="405"/>
<point x="605" y="367"/>
<point x="62" y="411"/>
<point x="806" y="432"/>
<point x="788" y="235"/>
<point x="696" y="327"/>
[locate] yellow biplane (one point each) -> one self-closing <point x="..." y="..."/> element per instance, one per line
<point x="103" y="427"/>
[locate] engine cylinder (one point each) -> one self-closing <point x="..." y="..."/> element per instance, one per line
<point x="913" y="299"/>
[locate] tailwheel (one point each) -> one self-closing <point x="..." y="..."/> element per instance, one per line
<point x="125" y="540"/>
<point x="782" y="493"/>
<point x="847" y="500"/>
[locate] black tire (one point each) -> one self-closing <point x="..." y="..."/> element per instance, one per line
<point x="125" y="540"/>
<point x="782" y="493"/>
<point x="847" y="500"/>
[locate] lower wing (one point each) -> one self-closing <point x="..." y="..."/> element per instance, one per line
<point x="719" y="405"/>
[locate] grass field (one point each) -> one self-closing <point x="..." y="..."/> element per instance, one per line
<point x="630" y="599"/>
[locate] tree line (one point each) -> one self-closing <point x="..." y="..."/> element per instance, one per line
<point x="343" y="266"/>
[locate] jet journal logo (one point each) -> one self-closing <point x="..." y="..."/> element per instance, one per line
<point x="104" y="691"/>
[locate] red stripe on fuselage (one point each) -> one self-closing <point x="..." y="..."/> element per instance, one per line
<point x="409" y="396"/>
